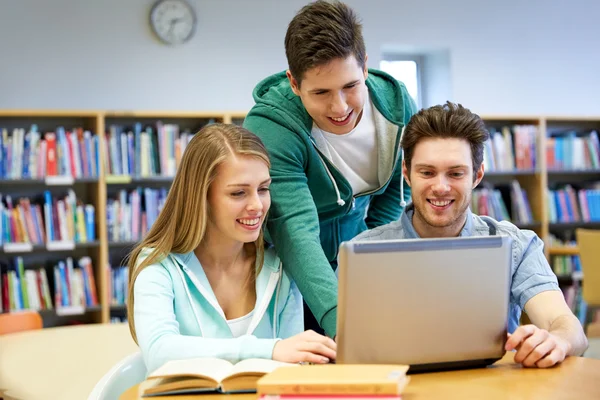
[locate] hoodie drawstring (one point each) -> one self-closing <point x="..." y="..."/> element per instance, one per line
<point x="402" y="201"/>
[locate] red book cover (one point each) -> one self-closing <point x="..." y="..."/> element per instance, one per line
<point x="92" y="282"/>
<point x="51" y="161"/>
<point x="5" y="299"/>
<point x="72" y="147"/>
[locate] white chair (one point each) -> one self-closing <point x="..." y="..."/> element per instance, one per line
<point x="129" y="371"/>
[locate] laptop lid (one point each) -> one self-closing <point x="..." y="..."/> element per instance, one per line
<point x="429" y="303"/>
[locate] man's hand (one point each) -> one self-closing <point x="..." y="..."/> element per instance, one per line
<point x="307" y="346"/>
<point x="537" y="347"/>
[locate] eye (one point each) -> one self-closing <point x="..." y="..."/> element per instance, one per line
<point x="239" y="193"/>
<point x="351" y="86"/>
<point x="264" y="190"/>
<point x="426" y="173"/>
<point x="320" y="93"/>
<point x="457" y="174"/>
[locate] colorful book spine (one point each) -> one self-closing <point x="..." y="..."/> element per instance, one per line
<point x="33" y="155"/>
<point x="574" y="205"/>
<point x="511" y="148"/>
<point x="573" y="151"/>
<point x="130" y="214"/>
<point x="46" y="218"/>
<point x="144" y="152"/>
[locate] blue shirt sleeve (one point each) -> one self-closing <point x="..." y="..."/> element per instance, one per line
<point x="532" y="273"/>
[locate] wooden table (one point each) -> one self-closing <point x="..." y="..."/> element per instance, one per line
<point x="576" y="378"/>
<point x="61" y="363"/>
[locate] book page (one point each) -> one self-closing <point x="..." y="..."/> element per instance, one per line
<point x="256" y="366"/>
<point x="212" y="368"/>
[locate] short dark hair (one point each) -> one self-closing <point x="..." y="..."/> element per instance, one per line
<point x="321" y="32"/>
<point x="446" y="121"/>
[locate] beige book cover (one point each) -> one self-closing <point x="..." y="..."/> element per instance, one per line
<point x="335" y="379"/>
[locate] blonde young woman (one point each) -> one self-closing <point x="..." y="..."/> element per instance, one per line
<point x="202" y="283"/>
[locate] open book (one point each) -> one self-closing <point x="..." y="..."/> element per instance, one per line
<point x="198" y="375"/>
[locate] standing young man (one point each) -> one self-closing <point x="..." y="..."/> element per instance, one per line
<point x="332" y="128"/>
<point x="443" y="163"/>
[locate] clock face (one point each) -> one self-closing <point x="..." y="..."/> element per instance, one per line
<point x="173" y="21"/>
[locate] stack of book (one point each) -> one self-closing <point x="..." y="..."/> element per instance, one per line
<point x="276" y="380"/>
<point x="335" y="382"/>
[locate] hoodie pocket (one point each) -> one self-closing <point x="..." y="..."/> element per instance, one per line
<point x="330" y="238"/>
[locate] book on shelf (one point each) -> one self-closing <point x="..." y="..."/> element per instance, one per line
<point x="573" y="151"/>
<point x="571" y="205"/>
<point x="145" y="151"/>
<point x="129" y="215"/>
<point x="46" y="220"/>
<point x="336" y="380"/>
<point x="574" y="299"/>
<point x="70" y="286"/>
<point x="489" y="201"/>
<point x="511" y="148"/>
<point x="118" y="285"/>
<point x="33" y="155"/>
<point x="202" y="375"/>
<point x="565" y="265"/>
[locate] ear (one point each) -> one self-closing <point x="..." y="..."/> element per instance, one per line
<point x="293" y="83"/>
<point x="405" y="173"/>
<point x="478" y="176"/>
<point x="366" y="70"/>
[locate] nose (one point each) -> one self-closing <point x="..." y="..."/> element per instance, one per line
<point x="338" y="104"/>
<point x="255" y="204"/>
<point x="441" y="185"/>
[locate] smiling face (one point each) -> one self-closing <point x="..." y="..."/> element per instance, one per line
<point x="333" y="94"/>
<point x="441" y="180"/>
<point x="238" y="200"/>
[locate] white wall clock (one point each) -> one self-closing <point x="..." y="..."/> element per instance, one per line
<point x="173" y="21"/>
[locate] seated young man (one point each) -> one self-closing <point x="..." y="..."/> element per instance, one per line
<point x="443" y="163"/>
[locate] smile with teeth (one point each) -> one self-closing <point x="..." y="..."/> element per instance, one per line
<point x="341" y="119"/>
<point x="249" y="222"/>
<point x="440" y="203"/>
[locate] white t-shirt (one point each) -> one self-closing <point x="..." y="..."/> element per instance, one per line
<point x="239" y="326"/>
<point x="354" y="154"/>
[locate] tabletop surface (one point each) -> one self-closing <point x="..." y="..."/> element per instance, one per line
<point x="61" y="363"/>
<point x="576" y="378"/>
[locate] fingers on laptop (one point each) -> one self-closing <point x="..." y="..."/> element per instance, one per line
<point x="305" y="347"/>
<point x="319" y="345"/>
<point x="518" y="336"/>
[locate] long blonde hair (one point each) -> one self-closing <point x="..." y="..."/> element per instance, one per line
<point x="181" y="224"/>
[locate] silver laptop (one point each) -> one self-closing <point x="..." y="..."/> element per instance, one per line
<point x="434" y="304"/>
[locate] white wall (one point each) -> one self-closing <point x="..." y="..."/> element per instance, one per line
<point x="510" y="56"/>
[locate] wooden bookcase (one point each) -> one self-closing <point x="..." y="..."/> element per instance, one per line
<point x="94" y="191"/>
<point x="97" y="191"/>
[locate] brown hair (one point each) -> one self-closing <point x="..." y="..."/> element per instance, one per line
<point x="181" y="224"/>
<point x="446" y="121"/>
<point x="323" y="31"/>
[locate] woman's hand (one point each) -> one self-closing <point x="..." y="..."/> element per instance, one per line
<point x="307" y="346"/>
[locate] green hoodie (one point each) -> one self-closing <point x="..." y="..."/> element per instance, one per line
<point x="313" y="208"/>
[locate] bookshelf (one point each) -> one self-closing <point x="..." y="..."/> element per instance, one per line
<point x="95" y="190"/>
<point x="533" y="177"/>
<point x="562" y="187"/>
